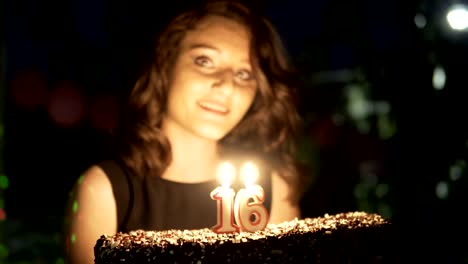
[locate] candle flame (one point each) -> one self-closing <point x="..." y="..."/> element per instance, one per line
<point x="249" y="173"/>
<point x="226" y="173"/>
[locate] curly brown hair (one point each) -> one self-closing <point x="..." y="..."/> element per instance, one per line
<point x="270" y="127"/>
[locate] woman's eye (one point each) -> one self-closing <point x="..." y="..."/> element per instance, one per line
<point x="203" y="61"/>
<point x="244" y="75"/>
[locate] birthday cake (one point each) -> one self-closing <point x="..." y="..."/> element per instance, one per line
<point x="354" y="237"/>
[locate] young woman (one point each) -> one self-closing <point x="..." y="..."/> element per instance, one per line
<point x="220" y="87"/>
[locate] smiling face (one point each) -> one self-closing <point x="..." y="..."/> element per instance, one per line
<point x="213" y="83"/>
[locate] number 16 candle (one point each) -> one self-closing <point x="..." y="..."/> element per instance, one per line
<point x="224" y="195"/>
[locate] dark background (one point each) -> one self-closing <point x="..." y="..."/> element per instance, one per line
<point x="381" y="138"/>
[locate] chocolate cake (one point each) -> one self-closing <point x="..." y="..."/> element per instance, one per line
<point x="354" y="237"/>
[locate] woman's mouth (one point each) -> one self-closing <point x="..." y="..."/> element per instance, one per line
<point x="214" y="107"/>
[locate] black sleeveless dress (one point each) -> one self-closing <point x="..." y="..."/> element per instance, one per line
<point x="153" y="203"/>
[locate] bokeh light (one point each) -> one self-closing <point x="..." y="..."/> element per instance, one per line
<point x="66" y="105"/>
<point x="3" y="182"/>
<point x="3" y="251"/>
<point x="2" y="214"/>
<point x="456" y="170"/>
<point x="442" y="190"/>
<point x="73" y="238"/>
<point x="439" y="78"/>
<point x="75" y="206"/>
<point x="420" y="20"/>
<point x="457" y="17"/>
<point x="29" y="89"/>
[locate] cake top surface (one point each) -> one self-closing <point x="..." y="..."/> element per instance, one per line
<point x="326" y="224"/>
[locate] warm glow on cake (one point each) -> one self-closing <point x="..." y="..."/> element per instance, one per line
<point x="354" y="237"/>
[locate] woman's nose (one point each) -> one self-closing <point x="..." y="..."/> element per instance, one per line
<point x="224" y="82"/>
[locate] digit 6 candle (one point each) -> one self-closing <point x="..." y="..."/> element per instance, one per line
<point x="224" y="195"/>
<point x="249" y="212"/>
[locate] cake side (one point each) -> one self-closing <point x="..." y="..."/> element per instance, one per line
<point x="354" y="237"/>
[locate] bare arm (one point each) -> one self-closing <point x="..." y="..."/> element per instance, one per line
<point x="282" y="209"/>
<point x="91" y="213"/>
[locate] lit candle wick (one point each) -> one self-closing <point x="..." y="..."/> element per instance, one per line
<point x="225" y="174"/>
<point x="249" y="173"/>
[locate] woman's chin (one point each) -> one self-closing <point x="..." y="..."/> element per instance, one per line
<point x="212" y="133"/>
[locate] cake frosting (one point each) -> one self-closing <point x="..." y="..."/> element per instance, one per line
<point x="353" y="237"/>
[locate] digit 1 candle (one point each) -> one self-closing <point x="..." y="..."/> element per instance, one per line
<point x="224" y="196"/>
<point x="249" y="211"/>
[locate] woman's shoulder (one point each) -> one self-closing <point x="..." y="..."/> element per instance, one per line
<point x="94" y="176"/>
<point x="91" y="190"/>
<point x="91" y="204"/>
<point x="103" y="175"/>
